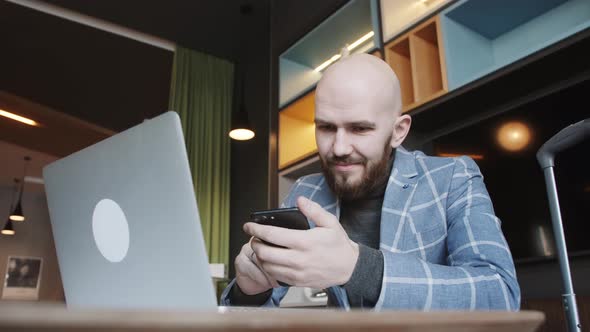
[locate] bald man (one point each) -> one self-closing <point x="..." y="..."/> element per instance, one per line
<point x="390" y="228"/>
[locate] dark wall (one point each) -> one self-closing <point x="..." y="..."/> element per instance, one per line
<point x="541" y="280"/>
<point x="249" y="159"/>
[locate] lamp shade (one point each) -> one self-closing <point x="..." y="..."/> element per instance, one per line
<point x="241" y="129"/>
<point x="8" y="228"/>
<point x="17" y="213"/>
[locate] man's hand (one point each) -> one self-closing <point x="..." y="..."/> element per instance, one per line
<point x="251" y="279"/>
<point x="320" y="257"/>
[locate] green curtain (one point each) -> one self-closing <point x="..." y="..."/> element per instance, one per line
<point x="201" y="92"/>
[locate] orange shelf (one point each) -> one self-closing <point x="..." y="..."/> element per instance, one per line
<point x="297" y="131"/>
<point x="417" y="58"/>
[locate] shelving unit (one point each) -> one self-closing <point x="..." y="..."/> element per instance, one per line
<point x="417" y="58"/>
<point x="497" y="55"/>
<point x="483" y="36"/>
<point x="398" y="57"/>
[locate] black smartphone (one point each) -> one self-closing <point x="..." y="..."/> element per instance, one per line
<point x="288" y="218"/>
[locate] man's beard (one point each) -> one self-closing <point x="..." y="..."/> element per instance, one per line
<point x="374" y="175"/>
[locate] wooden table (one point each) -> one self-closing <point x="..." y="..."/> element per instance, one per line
<point x="50" y="318"/>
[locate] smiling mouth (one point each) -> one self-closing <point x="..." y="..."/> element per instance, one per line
<point x="343" y="167"/>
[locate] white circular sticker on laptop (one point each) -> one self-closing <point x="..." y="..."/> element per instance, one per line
<point x="110" y="230"/>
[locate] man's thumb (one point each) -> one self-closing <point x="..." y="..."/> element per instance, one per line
<point x="316" y="213"/>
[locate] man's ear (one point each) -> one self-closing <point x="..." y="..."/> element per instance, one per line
<point x="401" y="128"/>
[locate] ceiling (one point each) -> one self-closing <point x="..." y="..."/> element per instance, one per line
<point x="208" y="26"/>
<point x="56" y="133"/>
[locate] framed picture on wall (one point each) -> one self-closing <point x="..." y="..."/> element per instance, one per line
<point x="23" y="277"/>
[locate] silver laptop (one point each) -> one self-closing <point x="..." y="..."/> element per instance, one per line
<point x="126" y="225"/>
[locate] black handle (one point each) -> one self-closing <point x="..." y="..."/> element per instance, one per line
<point x="567" y="137"/>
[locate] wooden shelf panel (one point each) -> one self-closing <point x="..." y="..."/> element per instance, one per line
<point x="417" y="59"/>
<point x="297" y="130"/>
<point x="424" y="101"/>
<point x="427" y="65"/>
<point x="398" y="57"/>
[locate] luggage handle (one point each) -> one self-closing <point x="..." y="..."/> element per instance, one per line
<point x="565" y="138"/>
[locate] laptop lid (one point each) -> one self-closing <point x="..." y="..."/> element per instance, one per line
<point x="126" y="225"/>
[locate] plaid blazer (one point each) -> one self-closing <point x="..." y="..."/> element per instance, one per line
<point x="442" y="244"/>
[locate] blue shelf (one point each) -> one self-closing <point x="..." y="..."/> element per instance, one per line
<point x="297" y="64"/>
<point x="481" y="36"/>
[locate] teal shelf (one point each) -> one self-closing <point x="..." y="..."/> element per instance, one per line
<point x="297" y="64"/>
<point x="483" y="36"/>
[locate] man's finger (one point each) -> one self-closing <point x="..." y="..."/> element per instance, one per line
<point x="275" y="255"/>
<point x="282" y="273"/>
<point x="280" y="236"/>
<point x="271" y="280"/>
<point x="251" y="268"/>
<point x="316" y="213"/>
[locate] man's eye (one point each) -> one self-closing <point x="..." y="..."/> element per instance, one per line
<point x="325" y="127"/>
<point x="358" y="129"/>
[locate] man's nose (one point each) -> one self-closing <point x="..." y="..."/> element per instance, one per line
<point x="342" y="145"/>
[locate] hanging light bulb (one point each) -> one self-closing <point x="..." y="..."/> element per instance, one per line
<point x="8" y="228"/>
<point x="17" y="213"/>
<point x="241" y="129"/>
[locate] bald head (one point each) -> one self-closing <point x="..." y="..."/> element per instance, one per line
<point x="360" y="79"/>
